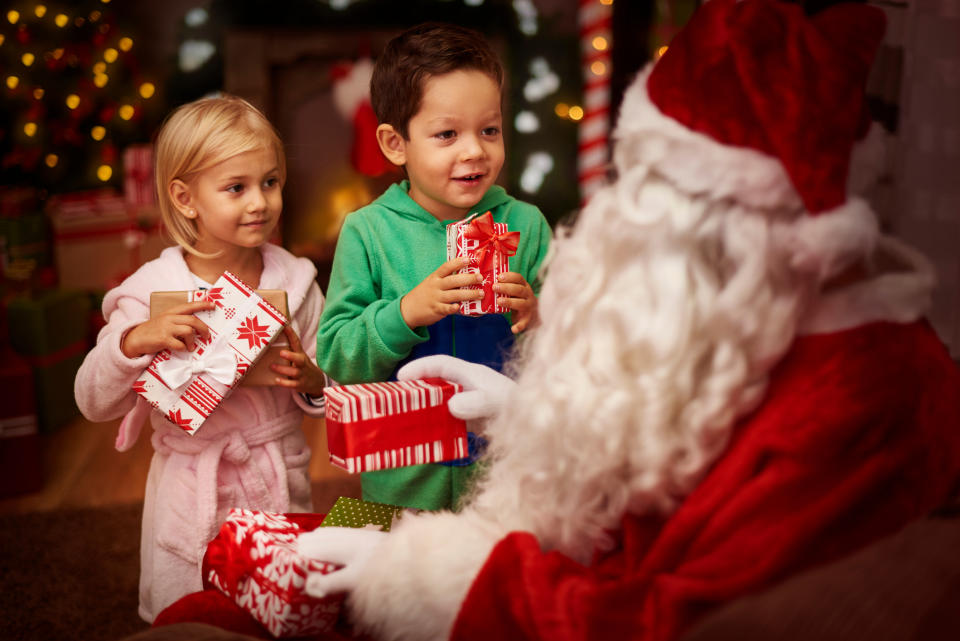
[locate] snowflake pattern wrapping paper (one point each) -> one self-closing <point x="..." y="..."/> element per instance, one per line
<point x="489" y="246"/>
<point x="187" y="386"/>
<point x="254" y="561"/>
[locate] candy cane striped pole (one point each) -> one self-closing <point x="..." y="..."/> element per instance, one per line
<point x="596" y="18"/>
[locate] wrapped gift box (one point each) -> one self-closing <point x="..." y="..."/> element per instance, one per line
<point x="20" y="461"/>
<point x="351" y="512"/>
<point x="51" y="329"/>
<point x="138" y="187"/>
<point x="187" y="386"/>
<point x="254" y="561"/>
<point x="48" y="321"/>
<point x="99" y="239"/>
<point x="489" y="246"/>
<point x="260" y="373"/>
<point x="24" y="245"/>
<point x="374" y="426"/>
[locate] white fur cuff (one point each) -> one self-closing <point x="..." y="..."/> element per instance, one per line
<point x="415" y="582"/>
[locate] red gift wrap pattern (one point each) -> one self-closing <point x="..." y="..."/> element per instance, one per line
<point x="375" y="426"/>
<point x="489" y="246"/>
<point x="254" y="561"/>
<point x="187" y="386"/>
<point x="138" y="187"/>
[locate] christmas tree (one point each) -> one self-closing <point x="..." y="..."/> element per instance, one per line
<point x="74" y="96"/>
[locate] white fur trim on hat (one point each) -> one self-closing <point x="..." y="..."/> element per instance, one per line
<point x="828" y="242"/>
<point x="696" y="163"/>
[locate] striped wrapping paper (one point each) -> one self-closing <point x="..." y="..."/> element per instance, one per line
<point x="375" y="426"/>
<point x="241" y="327"/>
<point x="461" y="243"/>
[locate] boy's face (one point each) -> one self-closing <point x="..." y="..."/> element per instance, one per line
<point x="455" y="151"/>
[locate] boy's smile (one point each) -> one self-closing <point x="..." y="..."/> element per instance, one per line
<point x="455" y="151"/>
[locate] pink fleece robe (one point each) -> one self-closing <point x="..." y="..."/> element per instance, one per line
<point x="249" y="453"/>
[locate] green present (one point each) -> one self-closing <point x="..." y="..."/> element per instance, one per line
<point x="25" y="239"/>
<point x="49" y="321"/>
<point x="350" y="512"/>
<point x="53" y="377"/>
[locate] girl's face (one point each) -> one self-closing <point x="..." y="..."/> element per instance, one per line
<point x="237" y="202"/>
<point x="455" y="151"/>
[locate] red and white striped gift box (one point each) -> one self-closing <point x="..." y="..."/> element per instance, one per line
<point x="254" y="561"/>
<point x="187" y="386"/>
<point x="489" y="246"/>
<point x="138" y="187"/>
<point x="375" y="426"/>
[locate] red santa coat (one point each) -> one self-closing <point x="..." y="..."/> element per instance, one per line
<point x="859" y="434"/>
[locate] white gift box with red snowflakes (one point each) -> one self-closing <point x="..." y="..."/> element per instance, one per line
<point x="186" y="387"/>
<point x="254" y="561"/>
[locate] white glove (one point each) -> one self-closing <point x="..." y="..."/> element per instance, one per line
<point x="349" y="547"/>
<point x="485" y="390"/>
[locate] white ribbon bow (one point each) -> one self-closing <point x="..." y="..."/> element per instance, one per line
<point x="182" y="366"/>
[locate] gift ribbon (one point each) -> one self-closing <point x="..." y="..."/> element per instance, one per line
<point x="491" y="243"/>
<point x="182" y="366"/>
<point x="231" y="561"/>
<point x="217" y="362"/>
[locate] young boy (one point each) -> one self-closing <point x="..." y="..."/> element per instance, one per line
<point x="436" y="90"/>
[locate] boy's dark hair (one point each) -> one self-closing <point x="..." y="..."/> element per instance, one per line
<point x="428" y="49"/>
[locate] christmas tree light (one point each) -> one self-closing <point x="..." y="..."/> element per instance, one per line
<point x="70" y="71"/>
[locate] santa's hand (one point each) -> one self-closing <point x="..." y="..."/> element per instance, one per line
<point x="349" y="547"/>
<point x="485" y="390"/>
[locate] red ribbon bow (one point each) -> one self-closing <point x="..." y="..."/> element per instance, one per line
<point x="491" y="243"/>
<point x="231" y="560"/>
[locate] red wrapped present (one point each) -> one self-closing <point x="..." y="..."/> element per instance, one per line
<point x="99" y="240"/>
<point x="138" y="188"/>
<point x="374" y="426"/>
<point x="20" y="460"/>
<point x="254" y="561"/>
<point x="489" y="246"/>
<point x="187" y="386"/>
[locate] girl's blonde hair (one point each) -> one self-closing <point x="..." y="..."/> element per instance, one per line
<point x="199" y="135"/>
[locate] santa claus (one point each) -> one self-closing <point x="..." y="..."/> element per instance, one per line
<point x="732" y="382"/>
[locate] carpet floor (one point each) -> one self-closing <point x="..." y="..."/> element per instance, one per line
<point x="73" y="574"/>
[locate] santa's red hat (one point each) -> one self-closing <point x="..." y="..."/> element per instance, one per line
<point x="765" y="104"/>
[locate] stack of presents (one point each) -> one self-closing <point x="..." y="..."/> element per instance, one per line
<point x="59" y="254"/>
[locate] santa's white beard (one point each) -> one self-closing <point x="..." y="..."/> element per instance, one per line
<point x="662" y="315"/>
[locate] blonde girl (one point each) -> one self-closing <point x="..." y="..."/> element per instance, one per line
<point x="219" y="173"/>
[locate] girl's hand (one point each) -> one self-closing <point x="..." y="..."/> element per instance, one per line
<point x="302" y="374"/>
<point x="440" y="294"/>
<point x="516" y="294"/>
<point x="174" y="329"/>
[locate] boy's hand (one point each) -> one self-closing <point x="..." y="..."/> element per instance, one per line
<point x="439" y="294"/>
<point x="302" y="374"/>
<point x="174" y="329"/>
<point x="515" y="293"/>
